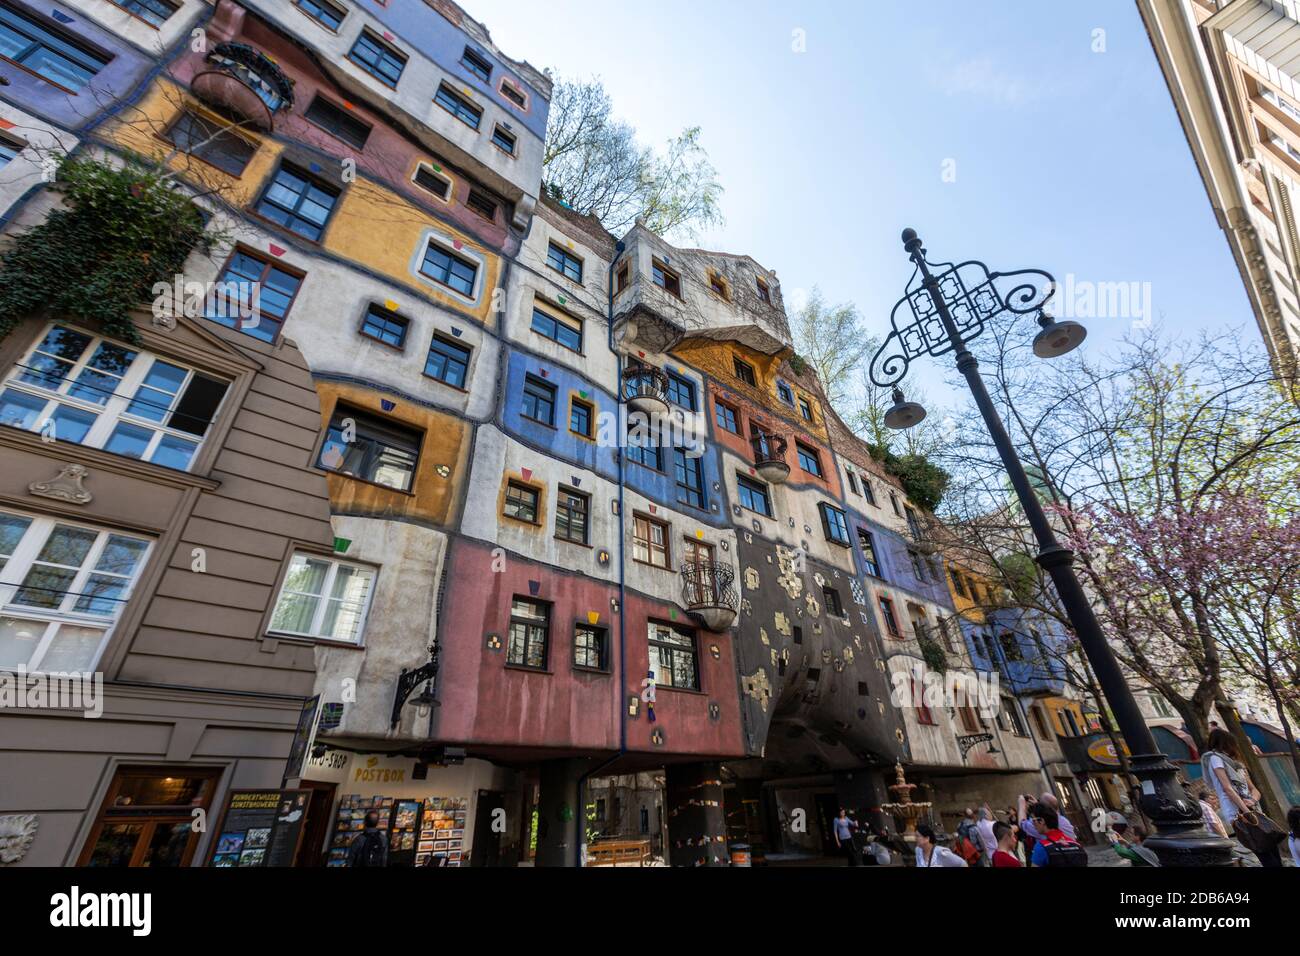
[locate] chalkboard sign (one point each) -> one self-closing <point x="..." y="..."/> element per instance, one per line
<point x="260" y="828"/>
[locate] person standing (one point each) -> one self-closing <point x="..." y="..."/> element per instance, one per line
<point x="1004" y="851"/>
<point x="843" y="828"/>
<point x="987" y="835"/>
<point x="931" y="854"/>
<point x="969" y="847"/>
<point x="1209" y="815"/>
<point x="1053" y="846"/>
<point x="370" y="846"/>
<point x="1293" y="837"/>
<point x="1238" y="798"/>
<point x="1050" y="802"/>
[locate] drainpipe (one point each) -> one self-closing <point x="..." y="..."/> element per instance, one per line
<point x="619" y="248"/>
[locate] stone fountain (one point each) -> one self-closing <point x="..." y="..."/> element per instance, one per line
<point x="903" y="810"/>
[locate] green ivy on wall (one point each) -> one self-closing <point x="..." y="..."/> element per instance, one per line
<point x="119" y="230"/>
<point x="923" y="481"/>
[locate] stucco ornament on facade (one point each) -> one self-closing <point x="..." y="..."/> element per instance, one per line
<point x="65" y="486"/>
<point x="758" y="688"/>
<point x="17" y="833"/>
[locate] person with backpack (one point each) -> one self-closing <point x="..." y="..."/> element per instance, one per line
<point x="929" y="853"/>
<point x="1239" y="800"/>
<point x="370" y="846"/>
<point x="969" y="845"/>
<point x="1053" y="847"/>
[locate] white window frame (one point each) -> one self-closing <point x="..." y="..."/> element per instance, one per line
<point x="114" y="409"/>
<point x="324" y="599"/>
<point x="19" y="564"/>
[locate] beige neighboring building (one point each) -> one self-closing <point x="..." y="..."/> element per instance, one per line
<point x="1232" y="66"/>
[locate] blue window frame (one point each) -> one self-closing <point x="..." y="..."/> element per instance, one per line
<point x="8" y="150"/>
<point x="156" y="12"/>
<point x="46" y="53"/>
<point x="322" y="11"/>
<point x="690" y="479"/>
<point x="276" y="289"/>
<point x="580" y="417"/>
<point x="458" y="106"/>
<point x="476" y="65"/>
<point x="447" y="362"/>
<point x="783" y="391"/>
<point x="384" y="326"/>
<point x="447" y="269"/>
<point x="871" y="563"/>
<point x="753" y="495"/>
<point x="503" y="140"/>
<point x="539" y="401"/>
<point x="726" y="417"/>
<point x="809" y="460"/>
<point x="298" y="203"/>
<point x="558" y="330"/>
<point x="564" y="261"/>
<point x="835" y="524"/>
<point x="642" y="450"/>
<point x="681" y="391"/>
<point x="378" y="58"/>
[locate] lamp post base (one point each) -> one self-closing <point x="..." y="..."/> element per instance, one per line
<point x="1180" y="837"/>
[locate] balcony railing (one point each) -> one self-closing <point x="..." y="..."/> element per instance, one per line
<point x="645" y="389"/>
<point x="769" y="457"/>
<point x="244" y="83"/>
<point x="708" y="592"/>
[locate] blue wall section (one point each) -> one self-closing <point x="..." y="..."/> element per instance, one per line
<point x="895" y="564"/>
<point x="1031" y="674"/>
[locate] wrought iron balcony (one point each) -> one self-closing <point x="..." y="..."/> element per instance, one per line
<point x="645" y="390"/>
<point x="708" y="592"/>
<point x="769" y="457"/>
<point x="245" y="84"/>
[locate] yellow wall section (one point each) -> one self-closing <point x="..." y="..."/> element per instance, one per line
<point x="445" y="443"/>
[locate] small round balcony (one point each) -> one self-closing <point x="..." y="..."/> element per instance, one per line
<point x="245" y="84"/>
<point x="769" y="457"/>
<point x="708" y="593"/>
<point x="645" y="390"/>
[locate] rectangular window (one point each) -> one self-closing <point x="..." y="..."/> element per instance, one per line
<point x="377" y="58"/>
<point x="47" y="53"/>
<point x="835" y="524"/>
<point x="958" y="584"/>
<point x="718" y="286"/>
<point x="753" y="495"/>
<point x="447" y="361"/>
<point x="210" y="142"/>
<point x="623" y="277"/>
<point x="512" y="94"/>
<point x="783" y="392"/>
<point x="521" y="502"/>
<point x="529" y="629"/>
<point x="476" y="65"/>
<point x="381" y="451"/>
<point x="1013" y="717"/>
<point x="322" y="11"/>
<point x="681" y="391"/>
<point x="539" y="401"/>
<point x="298" y="203"/>
<point x="923" y="712"/>
<point x="641" y="448"/>
<point x="590" y="648"/>
<point x="147" y="817"/>
<point x="805" y="409"/>
<point x="446" y="268"/>
<point x="764" y="293"/>
<point x="275" y="288"/>
<point x="571" y="513"/>
<point x="665" y="278"/>
<point x="338" y="122"/>
<point x="582" y="416"/>
<point x="867" y="542"/>
<point x="893" y="501"/>
<point x="503" y="140"/>
<point x="1010" y="646"/>
<point x="458" y="106"/>
<point x="690" y="479"/>
<point x="869" y="492"/>
<point x="853" y="482"/>
<point x="153" y="12"/>
<point x="561" y="329"/>
<point x="323" y="597"/>
<point x="434" y="182"/>
<point x="650" y="541"/>
<point x="832" y="600"/>
<point x="9" y="148"/>
<point x="918" y="567"/>
<point x="85" y="389"/>
<point x="62" y="587"/>
<point x="809" y="460"/>
<point x="726" y="417"/>
<point x="745" y="372"/>
<point x="384" y="326"/>
<point x="482" y="205"/>
<point x="887" y="613"/>
<point x="672" y="657"/>
<point x="564" y="261"/>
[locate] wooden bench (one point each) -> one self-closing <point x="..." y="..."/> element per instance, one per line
<point x="614" y="852"/>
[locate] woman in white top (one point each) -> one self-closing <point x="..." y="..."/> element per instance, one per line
<point x="1232" y="785"/>
<point x="929" y="853"/>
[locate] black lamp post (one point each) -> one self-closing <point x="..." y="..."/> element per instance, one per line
<point x="940" y="313"/>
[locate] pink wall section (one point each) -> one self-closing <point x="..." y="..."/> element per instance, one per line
<point x="487" y="703"/>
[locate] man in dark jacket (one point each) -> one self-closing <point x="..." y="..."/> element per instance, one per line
<point x="370" y="846"/>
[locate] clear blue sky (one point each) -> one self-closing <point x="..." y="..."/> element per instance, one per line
<point x="1065" y="159"/>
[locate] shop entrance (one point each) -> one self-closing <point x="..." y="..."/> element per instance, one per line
<point x="318" y="824"/>
<point x="828" y="808"/>
<point x="487" y="839"/>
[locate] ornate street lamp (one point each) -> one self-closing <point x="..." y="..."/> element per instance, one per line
<point x="939" y="314"/>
